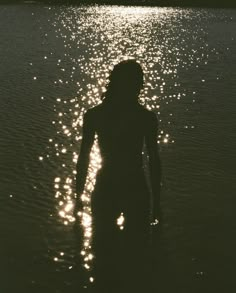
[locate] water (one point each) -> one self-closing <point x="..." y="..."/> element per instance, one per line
<point x="54" y="63"/>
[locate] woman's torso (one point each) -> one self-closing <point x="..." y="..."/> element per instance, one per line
<point x="120" y="133"/>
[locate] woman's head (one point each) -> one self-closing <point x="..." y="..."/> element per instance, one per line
<point x="125" y="81"/>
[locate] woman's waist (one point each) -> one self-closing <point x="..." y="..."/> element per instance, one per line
<point x="120" y="170"/>
<point x="120" y="177"/>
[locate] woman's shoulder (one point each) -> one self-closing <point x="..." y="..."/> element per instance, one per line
<point x="99" y="111"/>
<point x="93" y="111"/>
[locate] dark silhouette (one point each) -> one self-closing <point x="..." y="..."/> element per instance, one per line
<point x="122" y="126"/>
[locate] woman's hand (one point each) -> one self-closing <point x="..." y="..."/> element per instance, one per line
<point x="156" y="217"/>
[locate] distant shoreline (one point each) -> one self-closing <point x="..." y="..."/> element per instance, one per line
<point x="147" y="3"/>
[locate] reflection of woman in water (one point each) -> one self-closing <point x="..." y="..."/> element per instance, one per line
<point x="122" y="126"/>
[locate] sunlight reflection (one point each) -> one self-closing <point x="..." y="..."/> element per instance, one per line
<point x="120" y="221"/>
<point x="165" y="140"/>
<point x="107" y="35"/>
<point x="91" y="279"/>
<point x="66" y="203"/>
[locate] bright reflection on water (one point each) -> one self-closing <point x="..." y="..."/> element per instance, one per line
<point x="66" y="205"/>
<point x="167" y="42"/>
<point x="52" y="77"/>
<point x="121" y="221"/>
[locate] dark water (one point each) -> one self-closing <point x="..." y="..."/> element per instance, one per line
<point x="54" y="62"/>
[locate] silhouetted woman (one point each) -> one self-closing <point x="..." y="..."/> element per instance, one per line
<point x="122" y="126"/>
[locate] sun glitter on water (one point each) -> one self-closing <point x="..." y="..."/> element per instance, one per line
<point x="105" y="36"/>
<point x="67" y="205"/>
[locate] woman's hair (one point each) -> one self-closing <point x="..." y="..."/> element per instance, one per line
<point x="125" y="80"/>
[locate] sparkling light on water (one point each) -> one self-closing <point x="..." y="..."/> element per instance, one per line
<point x="94" y="39"/>
<point x="121" y="221"/>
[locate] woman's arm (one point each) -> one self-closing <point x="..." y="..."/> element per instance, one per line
<point x="84" y="155"/>
<point x="154" y="164"/>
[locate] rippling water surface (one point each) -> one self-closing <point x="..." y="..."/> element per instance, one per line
<point x="54" y="65"/>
